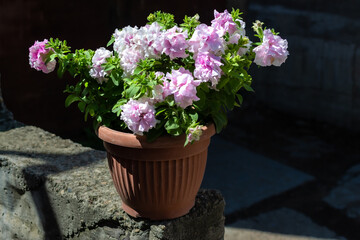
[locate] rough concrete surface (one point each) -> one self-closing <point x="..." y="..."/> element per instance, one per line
<point x="52" y="188"/>
<point x="346" y="196"/>
<point x="279" y="224"/>
<point x="250" y="234"/>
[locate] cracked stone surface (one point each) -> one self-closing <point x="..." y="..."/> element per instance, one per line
<point x="52" y="188"/>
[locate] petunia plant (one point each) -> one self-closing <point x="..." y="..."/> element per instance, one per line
<point x="164" y="77"/>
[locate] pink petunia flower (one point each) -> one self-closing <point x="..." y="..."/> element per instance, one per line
<point x="37" y="57"/>
<point x="205" y="39"/>
<point x="158" y="92"/>
<point x="99" y="58"/>
<point x="174" y="43"/>
<point x="148" y="39"/>
<point x="129" y="59"/>
<point x="183" y="86"/>
<point x="133" y="44"/>
<point x="125" y="38"/>
<point x="139" y="116"/>
<point x="223" y="23"/>
<point x="272" y="51"/>
<point x="207" y="68"/>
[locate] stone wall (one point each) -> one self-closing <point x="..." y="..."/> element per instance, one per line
<point x="321" y="78"/>
<point x="52" y="188"/>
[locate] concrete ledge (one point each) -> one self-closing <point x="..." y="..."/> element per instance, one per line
<point x="279" y="224"/>
<point x="52" y="188"/>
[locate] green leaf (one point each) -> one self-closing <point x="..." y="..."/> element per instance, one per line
<point x="200" y="104"/>
<point x="109" y="67"/>
<point x="229" y="101"/>
<point x="127" y="80"/>
<point x="160" y="111"/>
<point x="114" y="78"/>
<point x="236" y="104"/>
<point x="70" y="99"/>
<point x="89" y="110"/>
<point x="117" y="107"/>
<point x="248" y="88"/>
<point x="240" y="98"/>
<point x="112" y="40"/>
<point x="92" y="112"/>
<point x="61" y="69"/>
<point x="220" y="120"/>
<point x="87" y="54"/>
<point x="190" y="23"/>
<point x="186" y="142"/>
<point x="166" y="20"/>
<point x="81" y="106"/>
<point x="132" y="91"/>
<point x="185" y="117"/>
<point x="222" y="83"/>
<point x="138" y="70"/>
<point x="52" y="57"/>
<point x="194" y="116"/>
<point x="234" y="85"/>
<point x="172" y="126"/>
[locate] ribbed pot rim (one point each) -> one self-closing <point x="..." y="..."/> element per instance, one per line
<point x="136" y="141"/>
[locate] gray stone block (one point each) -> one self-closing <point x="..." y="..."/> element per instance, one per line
<point x="346" y="195"/>
<point x="244" y="177"/>
<point x="281" y="224"/>
<point x="52" y="188"/>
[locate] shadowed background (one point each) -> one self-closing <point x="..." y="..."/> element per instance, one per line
<point x="304" y="114"/>
<point x="38" y="99"/>
<point x="320" y="80"/>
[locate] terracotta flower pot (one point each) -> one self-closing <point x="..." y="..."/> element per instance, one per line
<point x="157" y="180"/>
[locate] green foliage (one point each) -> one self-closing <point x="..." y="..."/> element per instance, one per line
<point x="94" y="100"/>
<point x="103" y="101"/>
<point x="190" y="23"/>
<point x="165" y="20"/>
<point x="143" y="80"/>
<point x="235" y="14"/>
<point x="258" y="29"/>
<point x="111" y="41"/>
<point x="215" y="103"/>
<point x="175" y="119"/>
